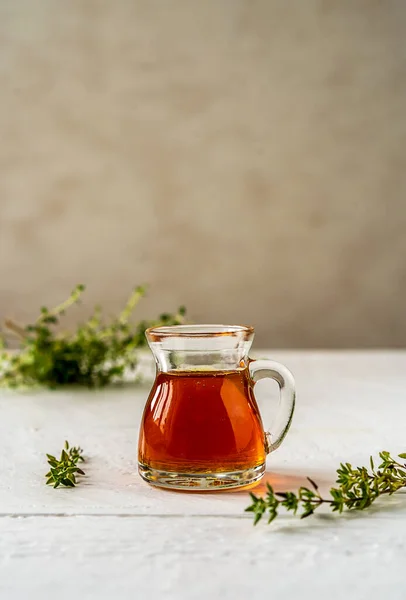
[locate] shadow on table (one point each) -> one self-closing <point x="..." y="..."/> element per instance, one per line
<point x="281" y="482"/>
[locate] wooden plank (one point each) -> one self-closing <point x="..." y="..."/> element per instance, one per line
<point x="191" y="558"/>
<point x="114" y="536"/>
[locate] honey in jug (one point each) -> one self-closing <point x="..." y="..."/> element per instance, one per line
<point x="202" y="422"/>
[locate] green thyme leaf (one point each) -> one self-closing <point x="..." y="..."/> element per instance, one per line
<point x="96" y="354"/>
<point x="64" y="471"/>
<point x="357" y="488"/>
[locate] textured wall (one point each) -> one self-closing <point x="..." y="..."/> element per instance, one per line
<point x="244" y="157"/>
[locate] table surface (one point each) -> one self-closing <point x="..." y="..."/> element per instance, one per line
<point x="115" y="537"/>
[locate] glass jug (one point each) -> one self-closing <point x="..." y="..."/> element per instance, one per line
<point x="201" y="428"/>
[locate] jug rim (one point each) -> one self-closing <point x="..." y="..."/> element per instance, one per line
<point x="204" y="330"/>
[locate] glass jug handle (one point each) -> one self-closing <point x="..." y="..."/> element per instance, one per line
<point x="264" y="367"/>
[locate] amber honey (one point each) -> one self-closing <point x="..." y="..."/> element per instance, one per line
<point x="201" y="422"/>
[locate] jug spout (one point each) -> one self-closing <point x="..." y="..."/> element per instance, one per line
<point x="200" y="347"/>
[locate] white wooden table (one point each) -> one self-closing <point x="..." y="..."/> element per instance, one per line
<point x="114" y="537"/>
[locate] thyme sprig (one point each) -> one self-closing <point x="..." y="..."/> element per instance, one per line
<point x="65" y="470"/>
<point x="96" y="354"/>
<point x="357" y="488"/>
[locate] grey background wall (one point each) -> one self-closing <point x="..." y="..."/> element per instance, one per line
<point x="243" y="157"/>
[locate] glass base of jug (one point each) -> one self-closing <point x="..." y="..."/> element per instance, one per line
<point x="200" y="482"/>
